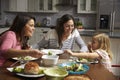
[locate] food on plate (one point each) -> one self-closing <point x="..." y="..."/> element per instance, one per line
<point x="29" y="68"/>
<point x="18" y="70"/>
<point x="25" y="58"/>
<point x="83" y="60"/>
<point x="49" y="53"/>
<point x="76" y="77"/>
<point x="52" y="51"/>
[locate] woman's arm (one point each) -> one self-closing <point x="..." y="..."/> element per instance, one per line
<point x="10" y="47"/>
<point x="80" y="41"/>
<point x="18" y="53"/>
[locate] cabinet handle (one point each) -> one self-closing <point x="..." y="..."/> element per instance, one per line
<point x="111" y="21"/>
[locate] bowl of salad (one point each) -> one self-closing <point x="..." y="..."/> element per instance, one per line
<point x="74" y="68"/>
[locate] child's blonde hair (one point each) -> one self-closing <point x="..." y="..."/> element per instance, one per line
<point x="104" y="42"/>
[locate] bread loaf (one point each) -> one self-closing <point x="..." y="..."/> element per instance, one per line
<point x="31" y="68"/>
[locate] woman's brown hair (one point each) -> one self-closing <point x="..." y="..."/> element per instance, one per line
<point x="18" y="27"/>
<point x="60" y="28"/>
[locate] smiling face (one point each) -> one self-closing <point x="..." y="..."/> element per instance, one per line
<point x="29" y="28"/>
<point x="68" y="27"/>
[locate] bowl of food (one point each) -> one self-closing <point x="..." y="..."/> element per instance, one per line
<point x="74" y="68"/>
<point x="55" y="74"/>
<point x="49" y="60"/>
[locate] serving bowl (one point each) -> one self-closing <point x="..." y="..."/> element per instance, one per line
<point x="55" y="74"/>
<point x="74" y="68"/>
<point x="49" y="60"/>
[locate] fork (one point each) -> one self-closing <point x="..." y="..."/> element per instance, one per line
<point x="14" y="63"/>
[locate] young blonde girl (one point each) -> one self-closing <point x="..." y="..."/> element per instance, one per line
<point x="99" y="49"/>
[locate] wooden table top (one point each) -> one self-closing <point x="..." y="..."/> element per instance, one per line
<point x="96" y="72"/>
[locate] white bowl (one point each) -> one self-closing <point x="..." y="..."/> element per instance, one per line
<point x="49" y="60"/>
<point x="55" y="74"/>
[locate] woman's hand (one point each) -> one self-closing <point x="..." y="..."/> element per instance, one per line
<point x="68" y="51"/>
<point x="35" y="53"/>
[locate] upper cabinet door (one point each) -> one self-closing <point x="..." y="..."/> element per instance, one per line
<point x="33" y="5"/>
<point x="18" y="5"/>
<point x="86" y="6"/>
<point x="45" y="6"/>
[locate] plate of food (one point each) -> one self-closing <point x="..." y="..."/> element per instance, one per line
<point x="30" y="69"/>
<point x="26" y="58"/>
<point x="86" y="61"/>
<point x="74" y="68"/>
<point x="52" y="51"/>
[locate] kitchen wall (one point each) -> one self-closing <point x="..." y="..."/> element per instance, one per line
<point x="89" y="20"/>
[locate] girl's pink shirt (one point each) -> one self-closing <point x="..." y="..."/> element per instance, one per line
<point x="8" y="40"/>
<point x="105" y="59"/>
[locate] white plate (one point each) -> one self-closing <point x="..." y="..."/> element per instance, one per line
<point x="53" y="51"/>
<point x="25" y="75"/>
<point x="28" y="58"/>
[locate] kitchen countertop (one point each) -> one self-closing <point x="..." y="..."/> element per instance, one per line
<point x="92" y="32"/>
<point x="87" y="32"/>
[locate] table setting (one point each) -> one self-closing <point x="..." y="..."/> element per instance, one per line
<point x="50" y="65"/>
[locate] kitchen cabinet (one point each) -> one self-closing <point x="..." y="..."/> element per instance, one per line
<point x="33" y="5"/>
<point x="42" y="5"/>
<point x="110" y="8"/>
<point x="86" y="6"/>
<point x="18" y="5"/>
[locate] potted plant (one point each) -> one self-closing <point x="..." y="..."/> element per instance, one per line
<point x="79" y="25"/>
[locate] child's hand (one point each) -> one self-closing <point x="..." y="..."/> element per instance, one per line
<point x="68" y="51"/>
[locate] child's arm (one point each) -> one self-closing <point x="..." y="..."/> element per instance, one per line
<point x="83" y="55"/>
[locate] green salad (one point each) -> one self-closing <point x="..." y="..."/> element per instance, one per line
<point x="21" y="70"/>
<point x="74" y="67"/>
<point x="49" y="53"/>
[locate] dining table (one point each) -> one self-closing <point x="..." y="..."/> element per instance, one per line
<point x="96" y="71"/>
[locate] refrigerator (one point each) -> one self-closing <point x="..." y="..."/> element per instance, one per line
<point x="108" y="18"/>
